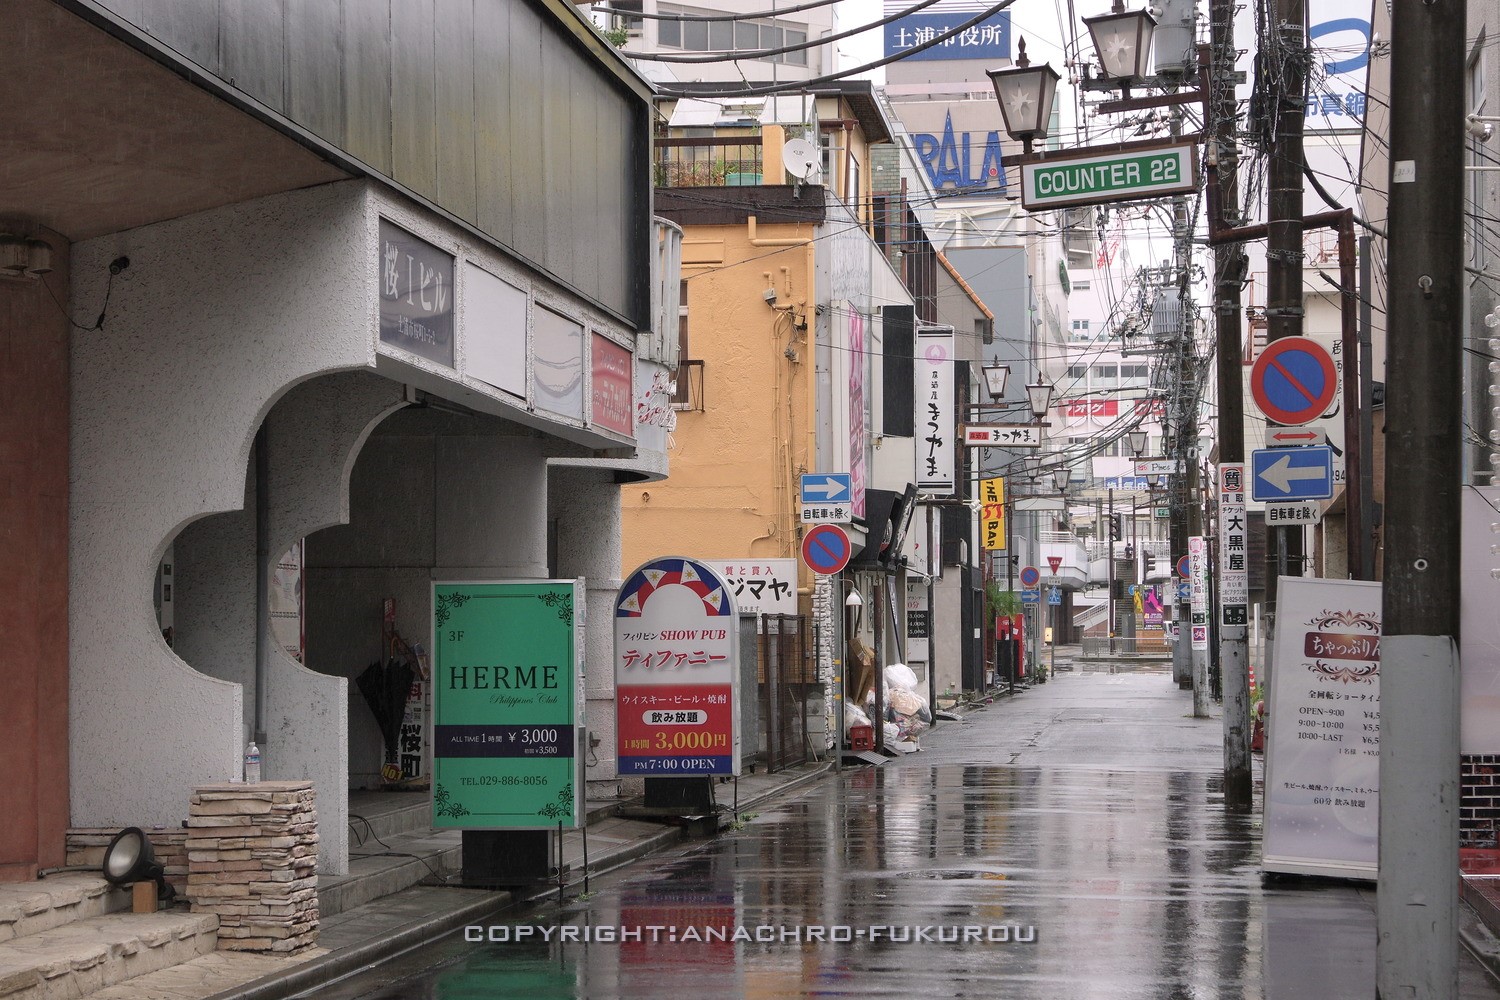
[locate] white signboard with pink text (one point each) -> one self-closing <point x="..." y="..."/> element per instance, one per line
<point x="1323" y="730"/>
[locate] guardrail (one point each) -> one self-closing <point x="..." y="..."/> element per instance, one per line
<point x="1100" y="647"/>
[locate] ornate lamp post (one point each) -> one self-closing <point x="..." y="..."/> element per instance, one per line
<point x="1025" y="93"/>
<point x="1122" y="38"/>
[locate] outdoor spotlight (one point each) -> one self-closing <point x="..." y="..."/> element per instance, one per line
<point x="129" y="859"/>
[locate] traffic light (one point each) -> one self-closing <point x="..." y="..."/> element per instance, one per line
<point x="1115" y="531"/>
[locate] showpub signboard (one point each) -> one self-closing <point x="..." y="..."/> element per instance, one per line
<point x="507" y="704"/>
<point x="676" y="672"/>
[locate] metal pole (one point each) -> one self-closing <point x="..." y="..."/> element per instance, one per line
<point x="840" y="655"/>
<point x="1109" y="568"/>
<point x="1366" y="421"/>
<point x="1230" y="265"/>
<point x="931" y="571"/>
<point x="1416" y="904"/>
<point x="1284" y="249"/>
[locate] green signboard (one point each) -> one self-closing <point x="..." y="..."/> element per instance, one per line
<point x="1057" y="181"/>
<point x="506" y="704"/>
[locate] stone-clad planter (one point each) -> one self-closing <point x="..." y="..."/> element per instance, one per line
<point x="252" y="860"/>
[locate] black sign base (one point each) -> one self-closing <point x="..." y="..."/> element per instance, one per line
<point x="503" y="858"/>
<point x="686" y="796"/>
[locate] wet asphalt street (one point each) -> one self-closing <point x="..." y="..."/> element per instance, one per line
<point x="1083" y="817"/>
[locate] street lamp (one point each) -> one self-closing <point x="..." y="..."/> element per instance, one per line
<point x="1039" y="394"/>
<point x="1122" y="38"/>
<point x="1060" y="480"/>
<point x="1137" y="441"/>
<point x="995" y="375"/>
<point x="1025" y="94"/>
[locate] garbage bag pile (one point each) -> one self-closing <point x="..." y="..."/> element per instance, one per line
<point x="907" y="714"/>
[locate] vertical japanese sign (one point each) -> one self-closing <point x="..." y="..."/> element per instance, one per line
<point x="992" y="518"/>
<point x="676" y="672"/>
<point x="933" y="406"/>
<point x="918" y="622"/>
<point x="416" y="295"/>
<point x="506" y="704"/>
<point x="1198" y="583"/>
<point x="1234" y="574"/>
<point x="1323" y="751"/>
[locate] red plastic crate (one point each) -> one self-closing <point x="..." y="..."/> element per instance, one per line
<point x="862" y="737"/>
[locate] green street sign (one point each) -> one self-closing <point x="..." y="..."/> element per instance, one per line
<point x="1164" y="512"/>
<point x="1089" y="178"/>
<point x="506" y="704"/>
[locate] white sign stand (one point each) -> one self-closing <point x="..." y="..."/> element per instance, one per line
<point x="1323" y="731"/>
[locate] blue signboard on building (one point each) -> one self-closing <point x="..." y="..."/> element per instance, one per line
<point x="989" y="39"/>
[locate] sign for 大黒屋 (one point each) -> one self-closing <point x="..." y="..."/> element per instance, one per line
<point x="506" y="704"/>
<point x="676" y="672"/>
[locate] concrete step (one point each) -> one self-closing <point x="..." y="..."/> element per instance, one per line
<point x="87" y="955"/>
<point x="32" y="907"/>
<point x="376" y="870"/>
<point x="397" y="814"/>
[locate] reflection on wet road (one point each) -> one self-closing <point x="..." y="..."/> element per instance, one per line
<point x="1083" y="818"/>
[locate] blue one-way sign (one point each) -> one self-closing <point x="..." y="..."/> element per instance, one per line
<point x="1291" y="474"/>
<point x="826" y="487"/>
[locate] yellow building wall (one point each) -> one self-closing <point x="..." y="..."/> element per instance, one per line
<point x="732" y="486"/>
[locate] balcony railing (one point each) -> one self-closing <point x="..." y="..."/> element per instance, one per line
<point x="689" y="394"/>
<point x="710" y="162"/>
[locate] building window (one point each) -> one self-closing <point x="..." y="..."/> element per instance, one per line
<point x="728" y="36"/>
<point x="1104" y="374"/>
<point x="623" y="19"/>
<point x="1078" y="371"/>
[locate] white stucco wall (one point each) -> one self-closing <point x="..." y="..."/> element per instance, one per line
<point x="216" y="316"/>
<point x="585" y="503"/>
<point x="313" y="436"/>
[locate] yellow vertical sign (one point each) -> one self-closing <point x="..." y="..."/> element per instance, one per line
<point x="992" y="496"/>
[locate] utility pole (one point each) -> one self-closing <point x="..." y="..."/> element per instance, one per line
<point x="1284" y="246"/>
<point x="1416" y="903"/>
<point x="1229" y="271"/>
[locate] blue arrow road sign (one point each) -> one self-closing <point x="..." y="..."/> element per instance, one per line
<point x="1031" y="597"/>
<point x="1291" y="474"/>
<point x="1184" y="591"/>
<point x="826" y="487"/>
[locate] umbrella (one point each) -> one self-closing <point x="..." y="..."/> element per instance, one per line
<point x="385" y="687"/>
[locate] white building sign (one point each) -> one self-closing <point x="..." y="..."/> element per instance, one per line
<point x="1323" y="751"/>
<point x="760" y="586"/>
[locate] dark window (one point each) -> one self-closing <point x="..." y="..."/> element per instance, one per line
<point x="899" y="332"/>
<point x="669" y="33"/>
<point x="721" y="36"/>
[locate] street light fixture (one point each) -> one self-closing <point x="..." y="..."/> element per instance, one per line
<point x="1060" y="480"/>
<point x="995" y="375"/>
<point x="1137" y="441"/>
<point x="1025" y="93"/>
<point x="1122" y="38"/>
<point x="1039" y="394"/>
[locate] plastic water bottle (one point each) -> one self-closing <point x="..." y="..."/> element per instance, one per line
<point x="252" y="763"/>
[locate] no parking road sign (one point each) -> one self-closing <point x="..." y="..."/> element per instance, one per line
<point x="826" y="549"/>
<point x="1030" y="577"/>
<point x="1294" y="380"/>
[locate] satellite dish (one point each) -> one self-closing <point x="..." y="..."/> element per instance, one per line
<point x="802" y="159"/>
